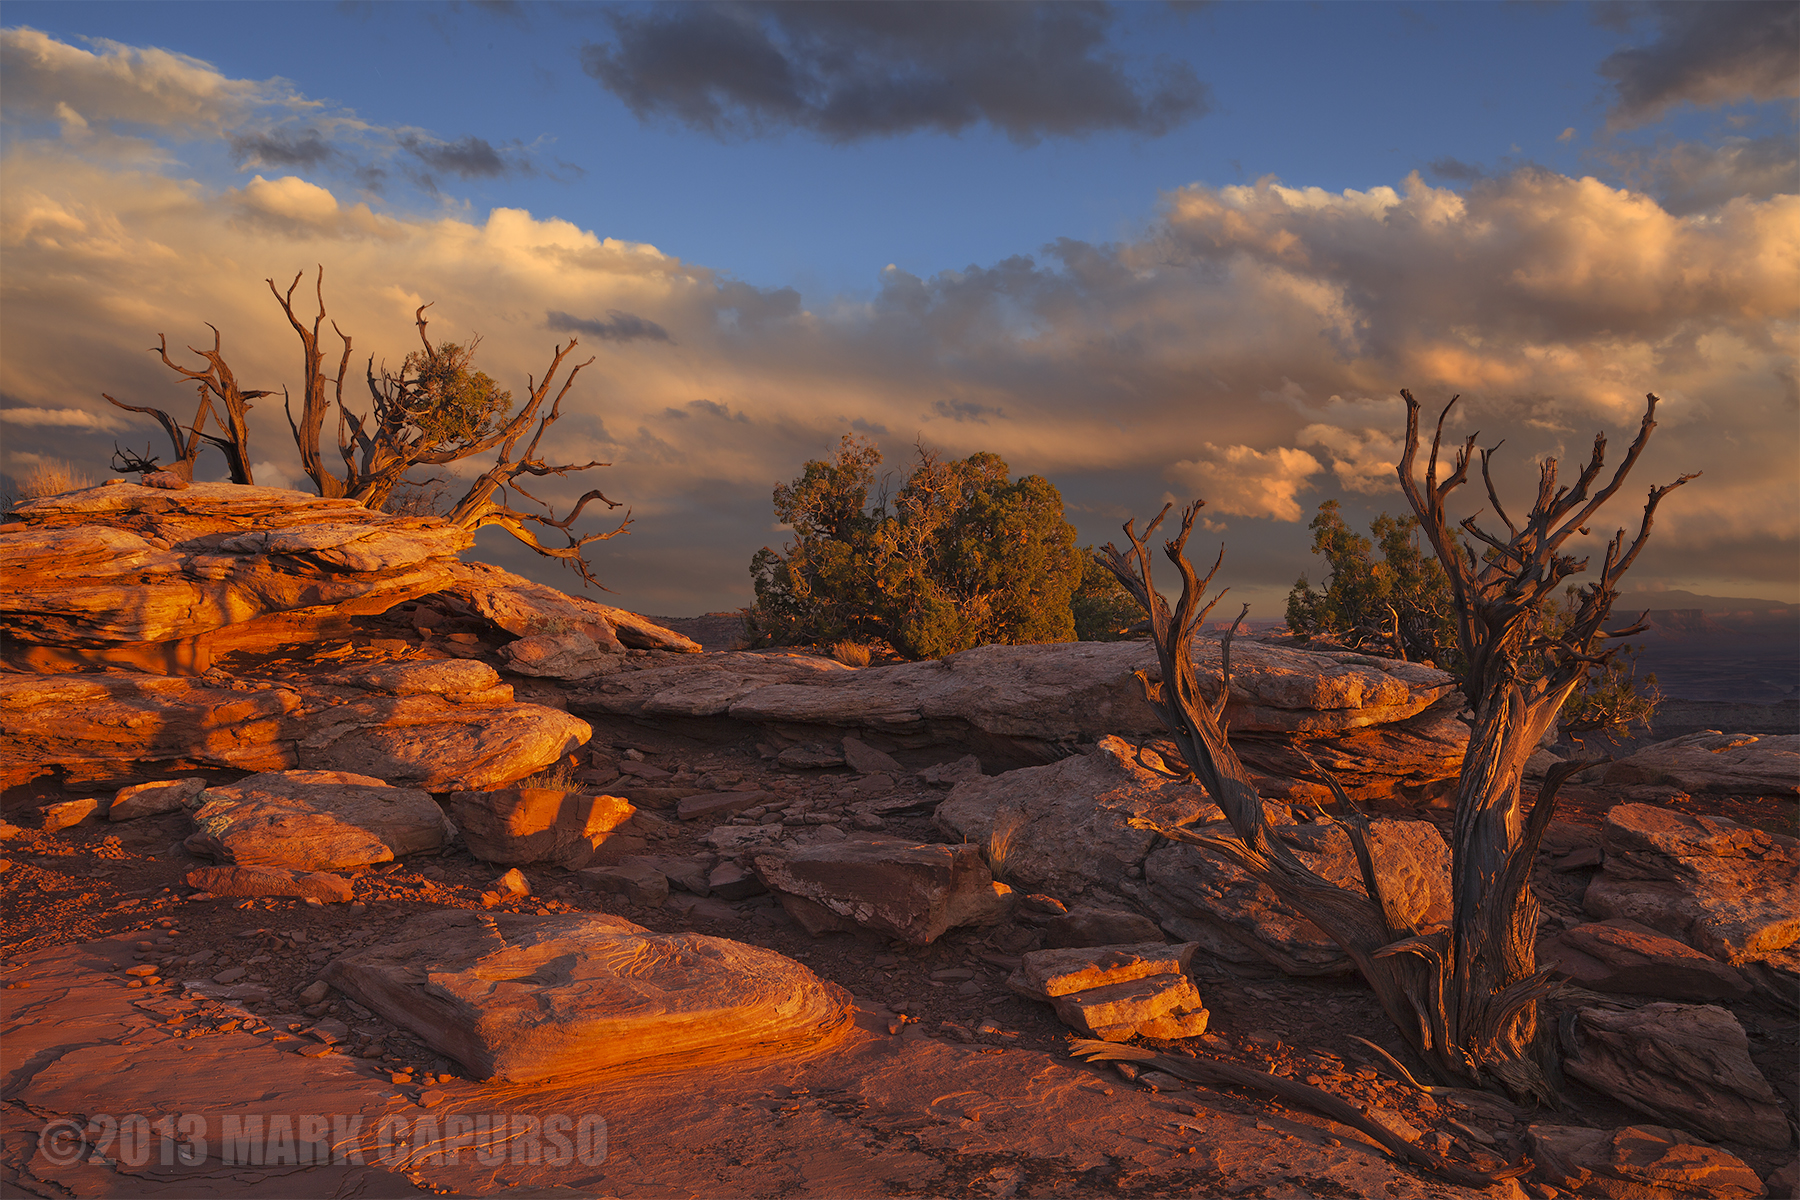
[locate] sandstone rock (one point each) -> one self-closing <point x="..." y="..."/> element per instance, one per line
<point x="144" y="575"/>
<point x="1064" y="827"/>
<point x="731" y="881"/>
<point x="315" y="820"/>
<point x="95" y="724"/>
<point x="905" y="890"/>
<point x="633" y="878"/>
<point x="952" y="773"/>
<point x="865" y="759"/>
<point x="811" y="755"/>
<point x="513" y="883"/>
<point x="1638" y="1162"/>
<point x="520" y="998"/>
<point x="571" y="655"/>
<point x="1684" y="1064"/>
<point x="1709" y="761"/>
<point x="68" y="813"/>
<point x="1046" y="974"/>
<point x="714" y="805"/>
<point x="1623" y="956"/>
<point x="1116" y="992"/>
<point x="271" y="881"/>
<point x="1100" y="927"/>
<point x="1200" y="897"/>
<point x="151" y="799"/>
<point x="688" y="874"/>
<point x="459" y="680"/>
<point x="1728" y="890"/>
<point x="529" y="609"/>
<point x="533" y="825"/>
<point x="1160" y="1006"/>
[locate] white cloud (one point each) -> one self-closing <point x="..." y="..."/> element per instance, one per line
<point x="65" y="418"/>
<point x="1244" y="482"/>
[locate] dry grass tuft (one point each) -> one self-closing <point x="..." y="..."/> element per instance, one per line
<point x="52" y="479"/>
<point x="851" y="654"/>
<point x="1000" y="842"/>
<point x="557" y="778"/>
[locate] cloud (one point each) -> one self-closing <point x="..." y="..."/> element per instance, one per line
<point x="849" y="71"/>
<point x="128" y="85"/>
<point x="618" y="327"/>
<point x="1707" y="53"/>
<point x="1454" y="168"/>
<point x="63" y="418"/>
<point x="281" y="148"/>
<point x="1690" y="177"/>
<point x="467" y="158"/>
<point x="1244" y="482"/>
<point x="1245" y="347"/>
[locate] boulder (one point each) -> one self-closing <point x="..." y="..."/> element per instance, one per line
<point x="272" y="881"/>
<point x="1116" y="992"/>
<point x="315" y="820"/>
<point x="571" y="655"/>
<point x="1065" y="827"/>
<point x="1726" y="889"/>
<point x="634" y="877"/>
<point x="1099" y="927"/>
<point x="1201" y="897"/>
<point x="537" y="825"/>
<point x="66" y="814"/>
<point x="1686" y="1065"/>
<point x="865" y="759"/>
<point x="901" y="889"/>
<point x="165" y="580"/>
<point x="437" y="725"/>
<point x="153" y="799"/>
<point x="731" y="881"/>
<point x="1638" y="1162"/>
<point x="528" y="609"/>
<point x="715" y="805"/>
<point x="519" y="998"/>
<point x="1623" y="956"/>
<point x="1710" y="761"/>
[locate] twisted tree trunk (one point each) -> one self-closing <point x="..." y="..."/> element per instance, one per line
<point x="1464" y="997"/>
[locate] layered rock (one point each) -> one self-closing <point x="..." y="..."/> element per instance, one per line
<point x="165" y="580"/>
<point x="901" y="889"/>
<point x="560" y="636"/>
<point x="1710" y="761"/>
<point x="1065" y="827"/>
<point x="1726" y="889"/>
<point x="1203" y="898"/>
<point x="315" y="820"/>
<point x="1638" y="1162"/>
<point x="1383" y="726"/>
<point x="322" y="886"/>
<point x="533" y="825"/>
<point x="1625" y="957"/>
<point x="1684" y="1064"/>
<point x="519" y="998"/>
<point x="439" y="725"/>
<point x="1116" y="992"/>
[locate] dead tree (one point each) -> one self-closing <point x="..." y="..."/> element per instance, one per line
<point x="216" y="382"/>
<point x="402" y="431"/>
<point x="1463" y="997"/>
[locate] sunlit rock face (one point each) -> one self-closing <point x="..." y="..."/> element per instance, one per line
<point x="163" y="580"/>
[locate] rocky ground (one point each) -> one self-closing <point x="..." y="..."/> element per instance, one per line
<point x="150" y="640"/>
<point x="124" y="883"/>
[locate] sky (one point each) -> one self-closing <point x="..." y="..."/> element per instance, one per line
<point x="1150" y="252"/>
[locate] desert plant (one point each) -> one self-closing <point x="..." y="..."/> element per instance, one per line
<point x="216" y="382"/>
<point x="851" y="654"/>
<point x="1398" y="605"/>
<point x="1103" y="610"/>
<point x="560" y="776"/>
<point x="962" y="555"/>
<point x="52" y="479"/>
<point x="1000" y="842"/>
<point x="1463" y="997"/>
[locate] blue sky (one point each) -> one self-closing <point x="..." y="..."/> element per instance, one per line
<point x="1196" y="330"/>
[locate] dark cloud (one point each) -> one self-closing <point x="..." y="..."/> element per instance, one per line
<point x="467" y="158"/>
<point x="618" y="327"/>
<point x="880" y="69"/>
<point x="305" y="148"/>
<point x="1707" y="53"/>
<point x="1690" y="177"/>
<point x="967" y="410"/>
<point x="707" y="408"/>
<point x="753" y="305"/>
<point x="1454" y="168"/>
